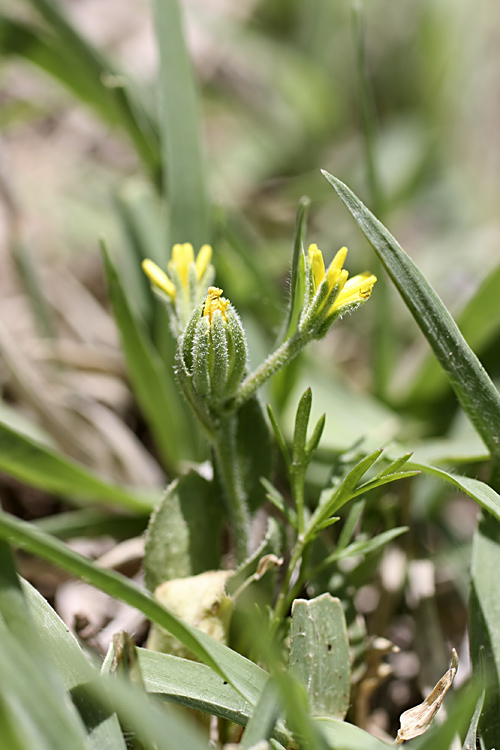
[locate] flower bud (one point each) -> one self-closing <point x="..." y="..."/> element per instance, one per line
<point x="212" y="352"/>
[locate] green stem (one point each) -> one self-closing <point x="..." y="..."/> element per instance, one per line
<point x="282" y="603"/>
<point x="226" y="454"/>
<point x="282" y="356"/>
<point x="297" y="482"/>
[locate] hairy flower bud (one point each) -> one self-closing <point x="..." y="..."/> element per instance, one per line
<point x="212" y="352"/>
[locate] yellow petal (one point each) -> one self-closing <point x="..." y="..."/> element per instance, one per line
<point x="339" y="260"/>
<point x="317" y="265"/>
<point x="356" y="289"/>
<point x="335" y="267"/>
<point x="158" y="277"/>
<point x="202" y="260"/>
<point x="182" y="257"/>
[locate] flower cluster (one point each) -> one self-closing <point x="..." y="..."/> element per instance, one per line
<point x="186" y="283"/>
<point x="330" y="292"/>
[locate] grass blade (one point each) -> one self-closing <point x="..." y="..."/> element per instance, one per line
<point x="479" y="323"/>
<point x="184" y="177"/>
<point x="38" y="466"/>
<point x="31" y="688"/>
<point x="154" y="386"/>
<point x="485" y="625"/>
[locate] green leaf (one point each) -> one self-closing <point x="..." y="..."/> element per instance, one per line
<point x="473" y="387"/>
<point x="37" y="707"/>
<point x="107" y="735"/>
<point x="385" y="479"/>
<point x="334" y="498"/>
<point x="193" y="685"/>
<point x="276" y="498"/>
<point x="264" y="717"/>
<point x="484" y="627"/>
<point x="479" y="323"/>
<point x="92" y="522"/>
<point x="319" y="654"/>
<point x="31" y="689"/>
<point x="343" y="736"/>
<point x="160" y="674"/>
<point x="245" y="676"/>
<point x="301" y="424"/>
<point x="38" y="466"/>
<point x="183" y="537"/>
<point x="184" y="176"/>
<point x="350" y="415"/>
<point x="365" y="546"/>
<point x="56" y="638"/>
<point x="472" y="739"/>
<point x="154" y="386"/>
<point x="255" y="451"/>
<point x="297" y="280"/>
<point x="279" y="437"/>
<point x="482" y="493"/>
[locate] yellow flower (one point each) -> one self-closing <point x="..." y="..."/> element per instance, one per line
<point x="213" y="302"/>
<point x="180" y="262"/>
<point x="350" y="291"/>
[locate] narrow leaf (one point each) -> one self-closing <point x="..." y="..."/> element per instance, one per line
<point x="482" y="493"/>
<point x="297" y="279"/>
<point x="184" y="177"/>
<point x="479" y="323"/>
<point x="154" y="386"/>
<point x="343" y="736"/>
<point x="484" y="627"/>
<point x="301" y="424"/>
<point x="38" y="466"/>
<point x="263" y="719"/>
<point x="365" y="546"/>
<point x="279" y="437"/>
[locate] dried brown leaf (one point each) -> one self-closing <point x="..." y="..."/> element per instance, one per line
<point x="417" y="720"/>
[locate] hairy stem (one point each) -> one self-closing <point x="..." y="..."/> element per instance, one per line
<point x="226" y="455"/>
<point x="282" y="356"/>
